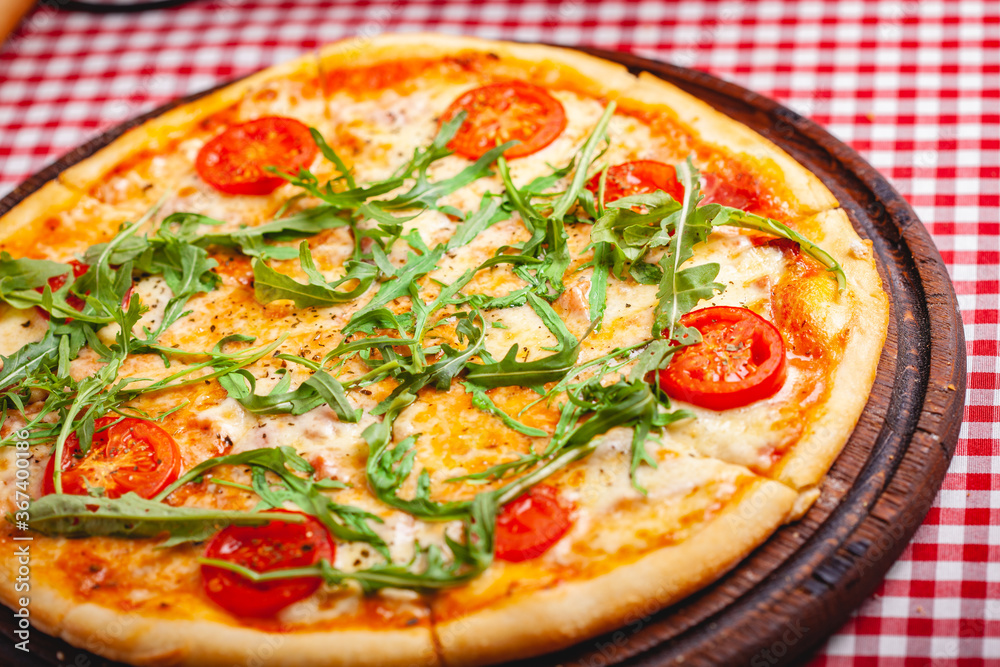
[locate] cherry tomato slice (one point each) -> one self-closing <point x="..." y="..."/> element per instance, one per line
<point x="132" y="455"/>
<point x="55" y="282"/>
<point x="740" y="360"/>
<point x="717" y="191"/>
<point x="638" y="177"/>
<point x="645" y="176"/>
<point x="501" y="112"/>
<point x="234" y="161"/>
<point x="530" y="524"/>
<point x="784" y="245"/>
<point x="273" y="546"/>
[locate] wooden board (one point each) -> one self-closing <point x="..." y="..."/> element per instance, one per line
<point x="800" y="586"/>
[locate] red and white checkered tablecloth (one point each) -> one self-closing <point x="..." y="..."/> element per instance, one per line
<point x="913" y="85"/>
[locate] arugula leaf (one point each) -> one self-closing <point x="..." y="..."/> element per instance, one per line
<point x="318" y="389"/>
<point x="681" y="289"/>
<point x="172" y="251"/>
<point x="586" y="156"/>
<point x="19" y="279"/>
<point x="307" y="493"/>
<point x="44" y="353"/>
<point x="442" y="372"/>
<point x="331" y="391"/>
<point x="520" y="202"/>
<point x="489" y="213"/>
<point x="438" y="148"/>
<point x="549" y="232"/>
<point x="540" y="184"/>
<point x="469" y="559"/>
<point x="597" y="296"/>
<point x="135" y="517"/>
<point x="187" y="270"/>
<point x="624" y="403"/>
<point x="552" y="368"/>
<point x="218" y="364"/>
<point x="500" y="470"/>
<point x="332" y="156"/>
<point x="269" y="285"/>
<point x="242" y="386"/>
<point x="416" y="267"/>
<point x="733" y="217"/>
<point x="344" y="200"/>
<point x="657" y="355"/>
<point x="254" y="241"/>
<point x="486" y="404"/>
<point x="426" y="194"/>
<point x="632" y="233"/>
<point x="394" y="466"/>
<point x="27" y="274"/>
<point x="388" y="467"/>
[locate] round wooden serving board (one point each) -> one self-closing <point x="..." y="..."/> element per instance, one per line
<point x="799" y="587"/>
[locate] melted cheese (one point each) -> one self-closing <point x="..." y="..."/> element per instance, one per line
<point x="18" y="328"/>
<point x="680" y="491"/>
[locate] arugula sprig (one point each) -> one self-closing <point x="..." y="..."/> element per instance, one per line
<point x="481" y="400"/>
<point x="357" y="204"/>
<point x="168" y="251"/>
<point x="734" y="217"/>
<point x="279" y="476"/>
<point x="548" y="241"/>
<point x="288" y="484"/>
<point x="319" y="389"/>
<point x="45" y="364"/>
<point x="681" y="289"/>
<point x="269" y="285"/>
<point x="261" y="241"/>
<point x="135" y="517"/>
<point x="631" y="227"/>
<point x="21" y="278"/>
<point x="428" y="570"/>
<point x="105" y="393"/>
<point x="552" y="368"/>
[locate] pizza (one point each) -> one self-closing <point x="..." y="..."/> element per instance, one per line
<point x="417" y="350"/>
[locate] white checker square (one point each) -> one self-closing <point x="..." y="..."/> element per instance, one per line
<point x="892" y="645"/>
<point x="901" y="570"/>
<point x="895" y="606"/>
<point x="841" y="644"/>
<point x="944" y="648"/>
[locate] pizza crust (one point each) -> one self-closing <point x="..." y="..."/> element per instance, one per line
<point x="33" y="209"/>
<point x="553" y="66"/>
<point x="866" y="331"/>
<point x="716" y="128"/>
<point x="158" y="133"/>
<point x="544" y="65"/>
<point x="549" y="620"/>
<point x="145" y="641"/>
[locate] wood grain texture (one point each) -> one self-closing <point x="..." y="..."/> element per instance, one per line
<point x="801" y="585"/>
